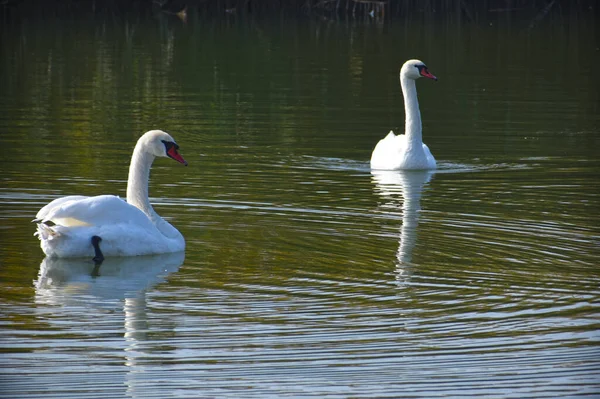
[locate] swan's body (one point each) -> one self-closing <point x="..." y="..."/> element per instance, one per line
<point x="406" y="151"/>
<point x="125" y="228"/>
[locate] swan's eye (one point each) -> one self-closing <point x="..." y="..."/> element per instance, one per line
<point x="171" y="149"/>
<point x="169" y="145"/>
<point x="423" y="71"/>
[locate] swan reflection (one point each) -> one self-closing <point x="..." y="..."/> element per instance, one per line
<point x="71" y="293"/>
<point x="401" y="190"/>
<point x="64" y="281"/>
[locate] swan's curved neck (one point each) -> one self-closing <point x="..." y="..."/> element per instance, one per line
<point x="137" y="183"/>
<point x="412" y="127"/>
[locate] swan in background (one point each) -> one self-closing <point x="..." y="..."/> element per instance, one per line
<point x="74" y="226"/>
<point x="406" y="151"/>
<point x="407" y="186"/>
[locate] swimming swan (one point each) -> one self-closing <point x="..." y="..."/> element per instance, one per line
<point x="406" y="151"/>
<point x="75" y="226"/>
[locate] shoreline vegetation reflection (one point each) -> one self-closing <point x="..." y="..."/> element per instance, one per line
<point x="525" y="12"/>
<point x="122" y="68"/>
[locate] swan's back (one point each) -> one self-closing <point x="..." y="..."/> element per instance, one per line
<point x="102" y="210"/>
<point x="125" y="230"/>
<point x="393" y="153"/>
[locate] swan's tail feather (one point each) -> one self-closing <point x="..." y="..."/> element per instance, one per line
<point x="45" y="232"/>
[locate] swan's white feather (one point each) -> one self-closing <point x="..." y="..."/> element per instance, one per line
<point x="392" y="153"/>
<point x="41" y="215"/>
<point x="125" y="230"/>
<point x="118" y="239"/>
<point x="101" y="210"/>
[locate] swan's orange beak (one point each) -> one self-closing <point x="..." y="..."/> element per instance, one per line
<point x="172" y="153"/>
<point x="426" y="74"/>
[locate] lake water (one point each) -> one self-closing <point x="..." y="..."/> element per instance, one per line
<point x="305" y="274"/>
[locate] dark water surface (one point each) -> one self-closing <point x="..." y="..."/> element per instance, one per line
<point x="305" y="274"/>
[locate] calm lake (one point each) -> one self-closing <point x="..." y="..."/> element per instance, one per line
<point x="305" y="274"/>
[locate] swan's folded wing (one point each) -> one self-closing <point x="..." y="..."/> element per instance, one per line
<point x="53" y="205"/>
<point x="93" y="211"/>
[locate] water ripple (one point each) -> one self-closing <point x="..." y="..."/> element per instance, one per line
<point x="331" y="282"/>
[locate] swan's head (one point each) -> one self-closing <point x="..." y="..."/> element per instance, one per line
<point x="161" y="144"/>
<point x="414" y="69"/>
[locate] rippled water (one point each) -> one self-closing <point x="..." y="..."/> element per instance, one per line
<point x="305" y="274"/>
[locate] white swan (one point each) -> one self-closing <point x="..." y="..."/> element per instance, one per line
<point x="129" y="228"/>
<point x="406" y="151"/>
